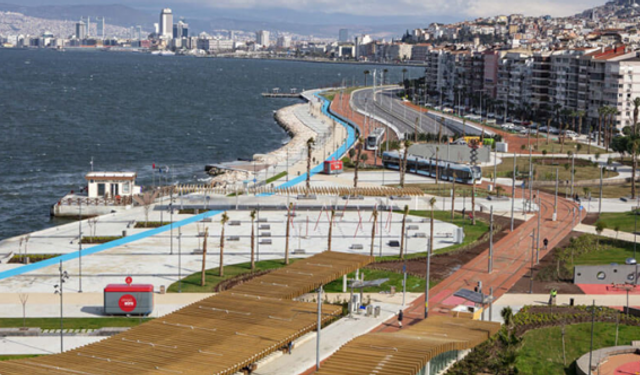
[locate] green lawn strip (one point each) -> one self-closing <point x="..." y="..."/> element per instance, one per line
<point x="151" y="224"/>
<point x="585" y="170"/>
<point x="191" y="283"/>
<point x="541" y="351"/>
<point x="625" y="221"/>
<point x="99" y="239"/>
<point x="443" y="189"/>
<point x="414" y="284"/>
<point x="276" y="177"/>
<point x="609" y="251"/>
<point x="12" y="357"/>
<point x="71" y="323"/>
<point x="472" y="232"/>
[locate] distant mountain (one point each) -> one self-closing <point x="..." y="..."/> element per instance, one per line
<point x="208" y="19"/>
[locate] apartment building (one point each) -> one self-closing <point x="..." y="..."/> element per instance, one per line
<point x="514" y="79"/>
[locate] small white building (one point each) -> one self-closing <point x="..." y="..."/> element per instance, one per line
<point x="111" y="184"/>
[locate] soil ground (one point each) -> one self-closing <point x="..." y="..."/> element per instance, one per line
<point x="524" y="284"/>
<point x="443" y="265"/>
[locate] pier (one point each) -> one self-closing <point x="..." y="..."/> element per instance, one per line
<point x="275" y="93"/>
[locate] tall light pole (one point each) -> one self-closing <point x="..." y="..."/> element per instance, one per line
<point x="533" y="239"/>
<point x="426" y="287"/>
<point x="491" y="242"/>
<point x="79" y="245"/>
<point x="600" y="203"/>
<point x="59" y="291"/>
<point x="179" y="259"/>
<point x="513" y="190"/>
<point x="538" y="237"/>
<point x="555" y="201"/>
<point x="319" y="326"/>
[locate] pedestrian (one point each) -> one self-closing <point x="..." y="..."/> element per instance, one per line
<point x="290" y="346"/>
<point x="463" y="210"/>
<point x="546" y="243"/>
<point x="400" y="317"/>
<point x="552" y="297"/>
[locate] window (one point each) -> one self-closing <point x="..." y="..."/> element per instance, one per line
<point x="126" y="187"/>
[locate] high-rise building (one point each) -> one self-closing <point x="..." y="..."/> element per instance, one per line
<point x="100" y="27"/>
<point x="180" y="30"/>
<point x="343" y="35"/>
<point x="81" y="30"/>
<point x="139" y="32"/>
<point x="262" y="38"/>
<point x="166" y="24"/>
<point x="232" y="35"/>
<point x="284" y="41"/>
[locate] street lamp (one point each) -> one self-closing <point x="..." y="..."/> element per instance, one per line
<point x="59" y="291"/>
<point x="80" y="245"/>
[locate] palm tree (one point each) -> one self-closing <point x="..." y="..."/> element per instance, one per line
<point x="589" y="138"/>
<point x="437" y="149"/>
<point x="473" y="144"/>
<point x="404" y="72"/>
<point x="405" y="212"/>
<point x="548" y="131"/>
<point x="204" y="257"/>
<point x="359" y="151"/>
<point x="310" y="143"/>
<point x="374" y="214"/>
<point x="333" y="213"/>
<point x="580" y="117"/>
<point x="415" y="132"/>
<point x="601" y="114"/>
<point x="403" y="170"/>
<point x="366" y="73"/>
<point x="223" y="221"/>
<point x="634" y="158"/>
<point x="253" y="240"/>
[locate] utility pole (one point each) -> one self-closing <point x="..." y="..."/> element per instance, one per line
<point x="593" y="319"/>
<point x="600" y="203"/>
<point x="491" y="242"/>
<point x="179" y="259"/>
<point x="426" y="288"/>
<point x="513" y="190"/>
<point x="319" y="326"/>
<point x="79" y="246"/>
<point x="533" y="238"/>
<point x="538" y="238"/>
<point x="555" y="202"/>
<point x="573" y="163"/>
<point x="59" y="289"/>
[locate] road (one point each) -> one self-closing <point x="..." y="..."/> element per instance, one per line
<point x="391" y="109"/>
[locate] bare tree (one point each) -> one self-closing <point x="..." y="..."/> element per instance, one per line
<point x="23" y="300"/>
<point x="253" y="240"/>
<point x="223" y="221"/>
<point x="93" y="226"/>
<point x="333" y="213"/>
<point x="405" y="212"/>
<point x="204" y="257"/>
<point x="146" y="201"/>
<point x="374" y="214"/>
<point x="286" y="244"/>
<point x="26" y="243"/>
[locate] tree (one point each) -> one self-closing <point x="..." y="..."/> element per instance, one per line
<point x="617" y="229"/>
<point x="204" y="258"/>
<point x="403" y="169"/>
<point x="23" y="300"/>
<point x="437" y="149"/>
<point x="310" y="143"/>
<point x="359" y="151"/>
<point x="286" y="243"/>
<point x="333" y="214"/>
<point x="474" y="144"/>
<point x="405" y="212"/>
<point x="352" y="153"/>
<point x="223" y="221"/>
<point x="601" y="114"/>
<point x="253" y="240"/>
<point x="374" y="215"/>
<point x="600" y="227"/>
<point x="366" y="74"/>
<point x="146" y="200"/>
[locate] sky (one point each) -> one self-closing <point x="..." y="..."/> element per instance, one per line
<point x="459" y="9"/>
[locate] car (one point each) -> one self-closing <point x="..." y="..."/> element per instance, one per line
<point x="491" y="121"/>
<point x="525" y="131"/>
<point x="491" y="115"/>
<point x="630" y="261"/>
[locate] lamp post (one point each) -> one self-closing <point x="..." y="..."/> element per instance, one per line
<point x="79" y="246"/>
<point x="179" y="259"/>
<point x="426" y="287"/>
<point x="59" y="291"/>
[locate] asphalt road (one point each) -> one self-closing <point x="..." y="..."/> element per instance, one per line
<point x="388" y="107"/>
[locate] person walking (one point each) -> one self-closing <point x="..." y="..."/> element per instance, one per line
<point x="545" y="242"/>
<point x="400" y="317"/>
<point x="552" y="297"/>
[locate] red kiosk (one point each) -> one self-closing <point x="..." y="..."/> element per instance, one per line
<point x="123" y="299"/>
<point x="332" y="167"/>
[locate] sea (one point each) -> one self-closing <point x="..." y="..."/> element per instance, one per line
<point x="126" y="111"/>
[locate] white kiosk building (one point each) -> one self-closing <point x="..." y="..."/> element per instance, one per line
<point x="111" y="184"/>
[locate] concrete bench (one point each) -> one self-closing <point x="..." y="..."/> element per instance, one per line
<point x="265" y="242"/>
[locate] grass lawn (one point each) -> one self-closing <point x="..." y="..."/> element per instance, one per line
<point x="12" y="357"/>
<point x="414" y="284"/>
<point x="331" y="94"/>
<point x="472" y="232"/>
<point x="191" y="283"/>
<point x="614" y="191"/>
<point x="276" y="177"/>
<point x="443" y="189"/>
<point x="72" y="323"/>
<point x="585" y="170"/>
<point x="613" y="251"/>
<point x="626" y="221"/>
<point x="554" y="148"/>
<point x="541" y="352"/>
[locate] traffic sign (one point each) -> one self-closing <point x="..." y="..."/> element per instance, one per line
<point x="128" y="280"/>
<point x="581" y="208"/>
<point x="404" y="268"/>
<point x="255" y="180"/>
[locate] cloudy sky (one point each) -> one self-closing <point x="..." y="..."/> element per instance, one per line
<point x="459" y="9"/>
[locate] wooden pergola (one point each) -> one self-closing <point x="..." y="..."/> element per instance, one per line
<point x="219" y="335"/>
<point x="407" y="352"/>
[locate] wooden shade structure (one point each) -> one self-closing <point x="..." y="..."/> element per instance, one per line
<point x="219" y="335"/>
<point x="407" y="351"/>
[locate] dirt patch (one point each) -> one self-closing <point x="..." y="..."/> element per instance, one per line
<point x="562" y="161"/>
<point x="238" y="280"/>
<point x="591" y="219"/>
<point x="443" y="265"/>
<point x="524" y="284"/>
